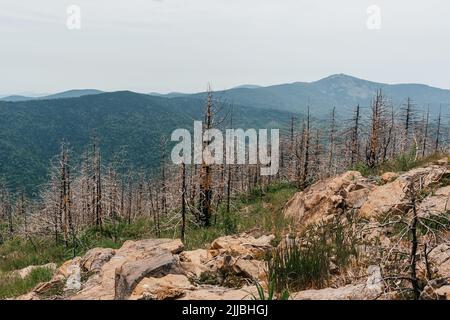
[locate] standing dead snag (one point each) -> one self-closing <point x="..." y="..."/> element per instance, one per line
<point x="373" y="150"/>
<point x="425" y="133"/>
<point x="438" y="132"/>
<point x="331" y="142"/>
<point x="65" y="209"/>
<point x="205" y="196"/>
<point x="354" y="153"/>
<point x="7" y="214"/>
<point x="183" y="201"/>
<point x="23" y="212"/>
<point x="304" y="178"/>
<point x="96" y="185"/>
<point x="387" y="137"/>
<point x="408" y="119"/>
<point x="317" y="155"/>
<point x="163" y="143"/>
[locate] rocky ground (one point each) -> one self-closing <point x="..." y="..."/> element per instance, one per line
<point x="232" y="265"/>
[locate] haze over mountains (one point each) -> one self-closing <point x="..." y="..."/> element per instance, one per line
<point x="32" y="129"/>
<point x="341" y="91"/>
<point x="65" y="94"/>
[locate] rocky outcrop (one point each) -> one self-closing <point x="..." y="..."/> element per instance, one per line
<point x="131" y="263"/>
<point x="436" y="203"/>
<point x="389" y="177"/>
<point x="171" y="286"/>
<point x="130" y="274"/>
<point x="195" y="262"/>
<point x="392" y="196"/>
<point x="440" y="260"/>
<point x="328" y="198"/>
<point x="160" y="269"/>
<point x="95" y="258"/>
<point x="243" y="245"/>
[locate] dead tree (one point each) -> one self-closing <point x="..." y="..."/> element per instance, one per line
<point x="317" y="155"/>
<point x="425" y="133"/>
<point x="373" y="154"/>
<point x="205" y="196"/>
<point x="306" y="133"/>
<point x="96" y="185"/>
<point x="183" y="201"/>
<point x="438" y="133"/>
<point x="407" y="125"/>
<point x="387" y="138"/>
<point x="354" y="153"/>
<point x="332" y="142"/>
<point x="6" y="207"/>
<point x="65" y="209"/>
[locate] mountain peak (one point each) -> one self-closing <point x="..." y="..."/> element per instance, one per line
<point x="339" y="77"/>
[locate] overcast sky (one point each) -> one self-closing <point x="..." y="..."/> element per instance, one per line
<point x="181" y="45"/>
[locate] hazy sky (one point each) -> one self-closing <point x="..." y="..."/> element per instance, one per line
<point x="181" y="45"/>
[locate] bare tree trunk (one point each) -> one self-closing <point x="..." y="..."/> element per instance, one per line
<point x="425" y="135"/>
<point x="205" y="172"/>
<point x="306" y="158"/>
<point x="331" y="142"/>
<point x="183" y="201"/>
<point x="354" y="154"/>
<point x="438" y="133"/>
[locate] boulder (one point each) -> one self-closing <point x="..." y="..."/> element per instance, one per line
<point x="389" y="177"/>
<point x="95" y="258"/>
<point x="131" y="273"/>
<point x="170" y="286"/>
<point x="141" y="255"/>
<point x="435" y="204"/>
<point x="392" y="196"/>
<point x="251" y="269"/>
<point x="328" y="197"/>
<point x="244" y="246"/>
<point x="195" y="262"/>
<point x="436" y="289"/>
<point x="443" y="292"/>
<point x="439" y="257"/>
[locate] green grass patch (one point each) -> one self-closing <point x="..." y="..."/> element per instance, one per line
<point x="401" y="163"/>
<point x="13" y="286"/>
<point x="299" y="266"/>
<point x="259" y="210"/>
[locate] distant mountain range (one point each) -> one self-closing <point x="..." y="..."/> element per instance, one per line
<point x="341" y="91"/>
<point x="66" y="94"/>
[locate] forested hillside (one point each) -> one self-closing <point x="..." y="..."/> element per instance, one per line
<point x="128" y="125"/>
